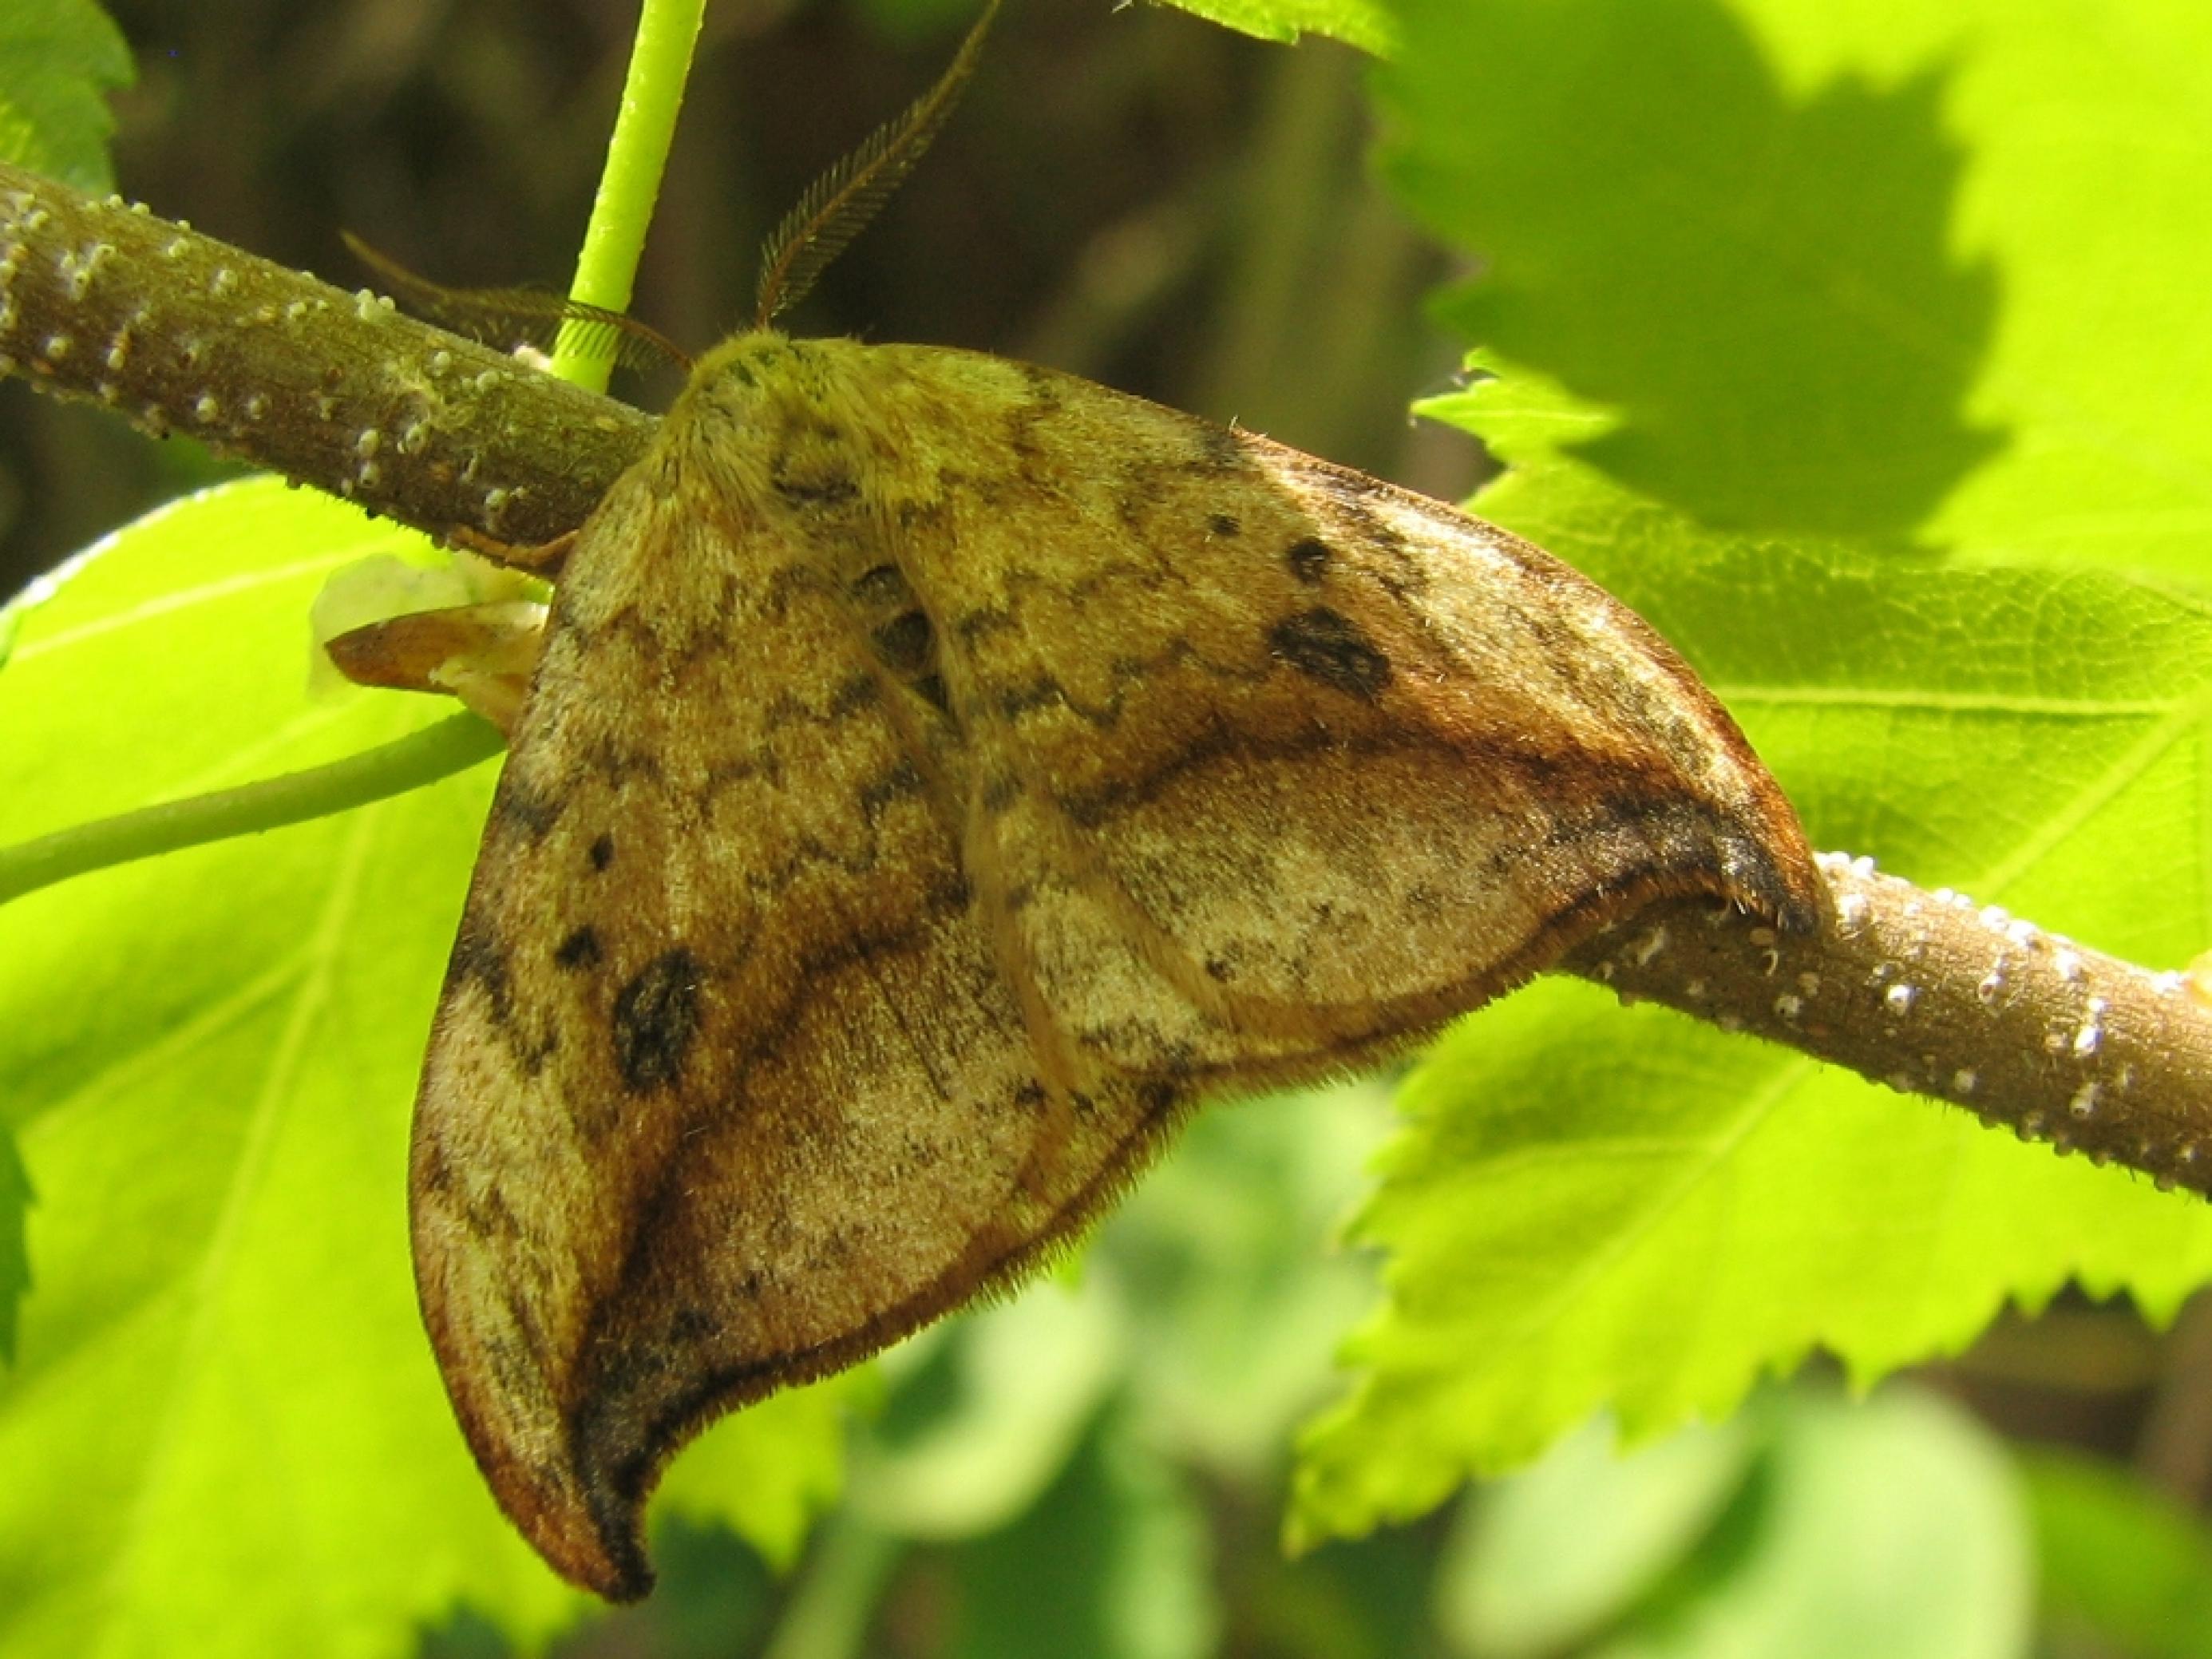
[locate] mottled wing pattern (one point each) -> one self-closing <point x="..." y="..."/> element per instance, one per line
<point x="938" y="773"/>
<point x="725" y="1079"/>
<point x="1281" y="763"/>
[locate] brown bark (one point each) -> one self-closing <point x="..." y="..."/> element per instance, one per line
<point x="1934" y="995"/>
<point x="182" y="333"/>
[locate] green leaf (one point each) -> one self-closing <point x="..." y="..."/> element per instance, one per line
<point x="1592" y="1207"/>
<point x="1554" y="1554"/>
<point x="224" y="1418"/>
<point x="2030" y="736"/>
<point x="1227" y="1250"/>
<point x="1731" y="231"/>
<point x="1892" y="1527"/>
<point x="1364" y="23"/>
<point x="1595" y="1208"/>
<point x="2124" y="1567"/>
<point x="57" y="57"/>
<point x="1932" y="271"/>
<point x="14" y="1258"/>
<point x="1810" y="1527"/>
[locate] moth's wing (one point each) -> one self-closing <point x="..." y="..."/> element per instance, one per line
<point x="727" y="1087"/>
<point x="923" y="792"/>
<point x="1330" y="760"/>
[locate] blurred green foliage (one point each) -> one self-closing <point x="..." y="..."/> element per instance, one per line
<point x="56" y="59"/>
<point x="2124" y="1568"/>
<point x="1808" y="1527"/>
<point x="1860" y="346"/>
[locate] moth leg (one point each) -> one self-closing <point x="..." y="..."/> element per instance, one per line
<point x="543" y="560"/>
<point x="482" y="653"/>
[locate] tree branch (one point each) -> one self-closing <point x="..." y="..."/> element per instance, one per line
<point x="182" y="333"/>
<point x="1924" y="990"/>
<point x="1935" y="995"/>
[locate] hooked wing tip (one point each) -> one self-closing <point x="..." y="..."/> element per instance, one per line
<point x="577" y="1499"/>
<point x="607" y="1557"/>
<point x="581" y="1521"/>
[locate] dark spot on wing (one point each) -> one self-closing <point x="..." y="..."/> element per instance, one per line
<point x="527" y="809"/>
<point x="1309" y="560"/>
<point x="579" y="950"/>
<point x="1330" y="646"/>
<point x="602" y="853"/>
<point x="904" y="643"/>
<point x="656" y="1016"/>
<point x="902" y="781"/>
<point x="691" y="1325"/>
<point x="1224" y="524"/>
<point x="931" y="689"/>
<point x="433" y="1171"/>
<point x="976" y="624"/>
<point x="1041" y="692"/>
<point x="480" y="959"/>
<point x="859" y="691"/>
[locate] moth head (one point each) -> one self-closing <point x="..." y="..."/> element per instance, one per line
<point x="771" y="392"/>
<point x="744" y="373"/>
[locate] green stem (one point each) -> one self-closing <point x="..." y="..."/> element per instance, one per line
<point x="408" y="762"/>
<point x="652" y="93"/>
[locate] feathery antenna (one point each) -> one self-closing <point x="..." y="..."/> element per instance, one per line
<point x="838" y="206"/>
<point x="505" y="317"/>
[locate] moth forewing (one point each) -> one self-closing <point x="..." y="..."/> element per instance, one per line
<point x="939" y="774"/>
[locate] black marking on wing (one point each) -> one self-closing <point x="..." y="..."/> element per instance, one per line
<point x="1330" y="646"/>
<point x="656" y="1016"/>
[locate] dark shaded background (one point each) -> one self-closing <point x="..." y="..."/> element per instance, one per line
<point x="1134" y="195"/>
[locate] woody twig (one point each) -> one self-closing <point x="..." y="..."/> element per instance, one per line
<point x="182" y="333"/>
<point x="1934" y="995"/>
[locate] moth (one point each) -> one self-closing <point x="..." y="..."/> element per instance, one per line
<point x="935" y="774"/>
